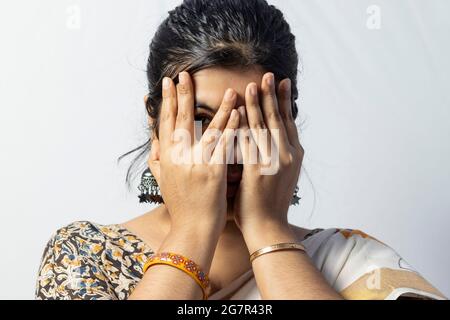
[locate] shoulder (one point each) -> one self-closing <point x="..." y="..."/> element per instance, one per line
<point x="360" y="266"/>
<point x="81" y="238"/>
<point x="79" y="230"/>
<point x="85" y="260"/>
<point x="87" y="240"/>
<point x="84" y="235"/>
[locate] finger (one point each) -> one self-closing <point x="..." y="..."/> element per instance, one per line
<point x="168" y="111"/>
<point x="226" y="142"/>
<point x="246" y="146"/>
<point x="256" y="121"/>
<point x="243" y="136"/>
<point x="223" y="114"/>
<point x="254" y="115"/>
<point x="285" y="103"/>
<point x="270" y="111"/>
<point x="185" y="102"/>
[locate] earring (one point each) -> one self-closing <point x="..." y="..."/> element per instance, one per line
<point x="149" y="188"/>
<point x="150" y="192"/>
<point x="295" y="199"/>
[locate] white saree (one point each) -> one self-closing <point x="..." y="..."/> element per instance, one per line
<point x="357" y="266"/>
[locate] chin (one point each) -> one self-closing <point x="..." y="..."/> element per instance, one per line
<point x="230" y="205"/>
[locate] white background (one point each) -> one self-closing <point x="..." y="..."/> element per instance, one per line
<point x="374" y="106"/>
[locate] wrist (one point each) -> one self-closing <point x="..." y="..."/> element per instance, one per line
<point x="203" y="226"/>
<point x="200" y="230"/>
<point x="266" y="233"/>
<point x="196" y="242"/>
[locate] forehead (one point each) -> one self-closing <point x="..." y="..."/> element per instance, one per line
<point x="210" y="84"/>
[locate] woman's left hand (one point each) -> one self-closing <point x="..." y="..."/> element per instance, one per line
<point x="266" y="189"/>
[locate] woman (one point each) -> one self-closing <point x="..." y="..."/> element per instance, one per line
<point x="230" y="66"/>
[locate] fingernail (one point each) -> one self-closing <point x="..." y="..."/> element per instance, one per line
<point x="166" y="83"/>
<point x="229" y="95"/>
<point x="253" y="89"/>
<point x="270" y="79"/>
<point x="234" y="114"/>
<point x="183" y="78"/>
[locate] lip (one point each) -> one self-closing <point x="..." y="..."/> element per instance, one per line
<point x="234" y="178"/>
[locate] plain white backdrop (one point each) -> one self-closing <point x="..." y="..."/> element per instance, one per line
<point x="374" y="106"/>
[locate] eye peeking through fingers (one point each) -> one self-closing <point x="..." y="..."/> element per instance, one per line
<point x="204" y="118"/>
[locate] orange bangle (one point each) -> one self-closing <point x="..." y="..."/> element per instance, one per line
<point x="184" y="264"/>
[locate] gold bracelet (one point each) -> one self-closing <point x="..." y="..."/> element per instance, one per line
<point x="276" y="247"/>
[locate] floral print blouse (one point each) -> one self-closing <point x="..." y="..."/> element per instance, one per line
<point x="89" y="261"/>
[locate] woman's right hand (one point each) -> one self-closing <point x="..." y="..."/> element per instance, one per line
<point x="194" y="193"/>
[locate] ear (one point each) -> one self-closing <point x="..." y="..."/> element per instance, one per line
<point x="145" y="105"/>
<point x="153" y="160"/>
<point x="150" y="120"/>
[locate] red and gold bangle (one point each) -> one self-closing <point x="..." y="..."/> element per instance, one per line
<point x="184" y="264"/>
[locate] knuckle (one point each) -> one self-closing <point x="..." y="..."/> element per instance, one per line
<point x="285" y="115"/>
<point x="183" y="89"/>
<point x="212" y="128"/>
<point x="290" y="116"/>
<point x="291" y="159"/>
<point x="226" y="109"/>
<point x="167" y="93"/>
<point x="215" y="172"/>
<point x="182" y="116"/>
<point x="269" y="93"/>
<point x="221" y="120"/>
<point x="301" y="151"/>
<point x="208" y="141"/>
<point x="253" y="106"/>
<point x="284" y="96"/>
<point x="273" y="115"/>
<point x="287" y="160"/>
<point x="166" y="116"/>
<point x="258" y="125"/>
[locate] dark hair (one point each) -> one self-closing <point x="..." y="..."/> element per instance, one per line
<point x="203" y="33"/>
